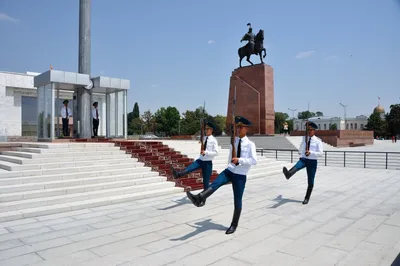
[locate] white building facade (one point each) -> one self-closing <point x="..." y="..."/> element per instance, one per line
<point x="325" y="123"/>
<point x="19" y="107"/>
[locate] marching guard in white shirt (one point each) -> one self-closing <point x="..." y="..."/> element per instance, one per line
<point x="236" y="172"/>
<point x="311" y="148"/>
<point x="204" y="161"/>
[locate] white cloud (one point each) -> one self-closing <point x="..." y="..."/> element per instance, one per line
<point x="211" y="42"/>
<point x="304" y="54"/>
<point x="5" y="17"/>
<point x="331" y="57"/>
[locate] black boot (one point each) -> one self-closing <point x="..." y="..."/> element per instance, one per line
<point x="289" y="173"/>
<point x="200" y="199"/>
<point x="235" y="221"/>
<point x="308" y="194"/>
<point x="177" y="174"/>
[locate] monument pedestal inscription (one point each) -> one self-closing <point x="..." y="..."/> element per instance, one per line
<point x="254" y="97"/>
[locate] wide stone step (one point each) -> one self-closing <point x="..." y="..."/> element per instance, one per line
<point x="87" y="170"/>
<point x="68" y="198"/>
<point x="81" y="188"/>
<point x="64" y="165"/>
<point x="8" y="185"/>
<point x="53" y="181"/>
<point x="55" y="161"/>
<point x="66" y="145"/>
<point x="71" y="157"/>
<point x="69" y="153"/>
<point x="90" y="203"/>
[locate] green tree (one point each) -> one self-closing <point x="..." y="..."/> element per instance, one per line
<point x="148" y="121"/>
<point x="305" y="115"/>
<point x="290" y="124"/>
<point x="190" y="124"/>
<point x="333" y="127"/>
<point x="393" y="119"/>
<point x="135" y="128"/>
<point x="136" y="112"/>
<point x="377" y="124"/>
<point x="280" y="118"/>
<point x="319" y="113"/>
<point x="220" y="122"/>
<point x="167" y="121"/>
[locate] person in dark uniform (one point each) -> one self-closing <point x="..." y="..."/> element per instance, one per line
<point x="66" y="113"/>
<point x="204" y="161"/>
<point x="95" y="115"/>
<point x="236" y="172"/>
<point x="309" y="158"/>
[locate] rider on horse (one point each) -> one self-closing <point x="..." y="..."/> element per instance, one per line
<point x="250" y="37"/>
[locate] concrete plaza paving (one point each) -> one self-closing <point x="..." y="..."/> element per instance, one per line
<point x="353" y="218"/>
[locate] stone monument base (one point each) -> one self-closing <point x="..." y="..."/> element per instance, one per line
<point x="254" y="98"/>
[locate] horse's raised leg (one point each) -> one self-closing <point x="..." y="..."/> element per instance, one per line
<point x="265" y="52"/>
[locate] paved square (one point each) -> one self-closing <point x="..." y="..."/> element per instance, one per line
<point x="353" y="218"/>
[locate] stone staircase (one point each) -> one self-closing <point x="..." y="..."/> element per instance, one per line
<point x="39" y="179"/>
<point x="296" y="141"/>
<point x="160" y="157"/>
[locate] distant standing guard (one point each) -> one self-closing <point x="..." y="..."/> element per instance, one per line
<point x="65" y="114"/>
<point x="95" y="114"/>
<point x="310" y="149"/>
<point x="204" y="161"/>
<point x="236" y="172"/>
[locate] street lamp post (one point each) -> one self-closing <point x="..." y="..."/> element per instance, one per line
<point x="293" y="110"/>
<point x="344" y="108"/>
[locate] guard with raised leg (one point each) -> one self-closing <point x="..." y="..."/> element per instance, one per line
<point x="208" y="151"/>
<point x="310" y="149"/>
<point x="238" y="166"/>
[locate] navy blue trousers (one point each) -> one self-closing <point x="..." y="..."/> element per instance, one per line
<point x="238" y="185"/>
<point x="206" y="168"/>
<point x="311" y="167"/>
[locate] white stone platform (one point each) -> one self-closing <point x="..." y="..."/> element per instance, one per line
<point x="353" y="218"/>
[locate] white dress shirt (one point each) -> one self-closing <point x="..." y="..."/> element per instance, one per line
<point x="64" y="113"/>
<point x="316" y="148"/>
<point x="211" y="150"/>
<point x="94" y="113"/>
<point x="248" y="156"/>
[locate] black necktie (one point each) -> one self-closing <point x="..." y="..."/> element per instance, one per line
<point x="66" y="112"/>
<point x="239" y="150"/>
<point x="205" y="144"/>
<point x="309" y="142"/>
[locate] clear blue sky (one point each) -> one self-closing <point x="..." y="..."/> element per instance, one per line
<point x="181" y="53"/>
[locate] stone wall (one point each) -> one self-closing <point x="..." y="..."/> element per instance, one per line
<point x="10" y="101"/>
<point x="342" y="138"/>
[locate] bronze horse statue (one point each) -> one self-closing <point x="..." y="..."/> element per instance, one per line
<point x="255" y="46"/>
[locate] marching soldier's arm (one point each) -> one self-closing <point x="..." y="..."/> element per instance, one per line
<point x="320" y="149"/>
<point x="252" y="160"/>
<point x="214" y="148"/>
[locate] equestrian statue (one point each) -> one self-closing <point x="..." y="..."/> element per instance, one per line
<point x="255" y="46"/>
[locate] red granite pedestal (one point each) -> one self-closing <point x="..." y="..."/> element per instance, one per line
<point x="254" y="97"/>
